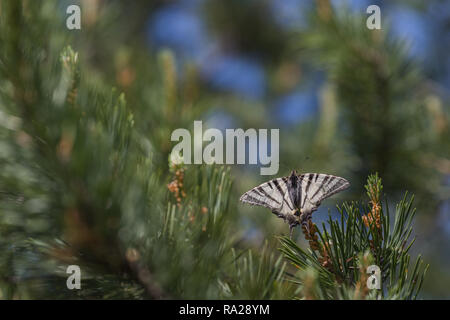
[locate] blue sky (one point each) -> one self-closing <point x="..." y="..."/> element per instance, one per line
<point x="181" y="27"/>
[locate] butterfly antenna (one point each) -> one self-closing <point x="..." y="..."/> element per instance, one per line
<point x="285" y="167"/>
<point x="282" y="164"/>
<point x="289" y="168"/>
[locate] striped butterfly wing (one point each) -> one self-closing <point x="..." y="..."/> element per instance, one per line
<point x="318" y="186"/>
<point x="273" y="195"/>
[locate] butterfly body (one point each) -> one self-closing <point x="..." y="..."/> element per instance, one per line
<point x="296" y="197"/>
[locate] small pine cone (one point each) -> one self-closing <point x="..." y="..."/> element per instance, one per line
<point x="313" y="245"/>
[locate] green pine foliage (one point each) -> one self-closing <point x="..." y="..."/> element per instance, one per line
<point x="335" y="265"/>
<point x="84" y="185"/>
<point x="381" y="92"/>
<point x="87" y="180"/>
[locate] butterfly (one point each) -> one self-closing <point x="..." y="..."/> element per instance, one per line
<point x="294" y="198"/>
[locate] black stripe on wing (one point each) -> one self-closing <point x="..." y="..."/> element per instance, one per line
<point x="324" y="186"/>
<point x="271" y="194"/>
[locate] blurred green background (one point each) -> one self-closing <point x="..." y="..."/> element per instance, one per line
<point x="348" y="101"/>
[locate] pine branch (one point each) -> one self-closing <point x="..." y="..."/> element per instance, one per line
<point x="342" y="251"/>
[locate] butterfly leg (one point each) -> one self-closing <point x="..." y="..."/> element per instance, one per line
<point x="279" y="215"/>
<point x="304" y="218"/>
<point x="292" y="224"/>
